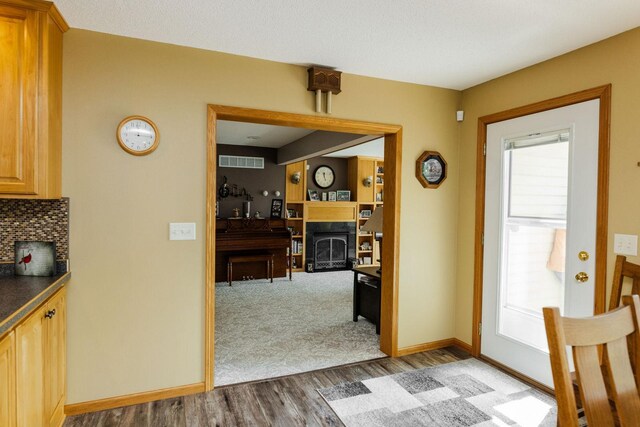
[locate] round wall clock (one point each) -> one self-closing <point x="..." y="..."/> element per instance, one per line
<point x="138" y="135"/>
<point x="324" y="177"/>
<point x="431" y="169"/>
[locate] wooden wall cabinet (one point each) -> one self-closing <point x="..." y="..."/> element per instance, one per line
<point x="31" y="99"/>
<point x="40" y="367"/>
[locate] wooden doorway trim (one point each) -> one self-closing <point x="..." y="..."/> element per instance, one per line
<point x="603" y="93"/>
<point x="391" y="227"/>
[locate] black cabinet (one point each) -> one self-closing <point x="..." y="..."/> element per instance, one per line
<point x="366" y="294"/>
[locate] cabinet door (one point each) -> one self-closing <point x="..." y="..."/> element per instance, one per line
<point x="55" y="357"/>
<point x="30" y="369"/>
<point x="18" y="86"/>
<point x="8" y="381"/>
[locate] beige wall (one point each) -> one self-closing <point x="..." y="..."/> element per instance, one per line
<point x="136" y="320"/>
<point x="611" y="61"/>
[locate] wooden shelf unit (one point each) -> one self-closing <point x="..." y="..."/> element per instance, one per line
<point x="363" y="198"/>
<point x="360" y="168"/>
<point x="295" y="197"/>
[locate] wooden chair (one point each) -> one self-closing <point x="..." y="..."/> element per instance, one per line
<point x="623" y="269"/>
<point x="610" y="330"/>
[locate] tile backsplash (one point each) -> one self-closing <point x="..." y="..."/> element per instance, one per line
<point x="46" y="220"/>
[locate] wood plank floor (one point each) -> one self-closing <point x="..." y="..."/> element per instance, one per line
<point x="286" y="401"/>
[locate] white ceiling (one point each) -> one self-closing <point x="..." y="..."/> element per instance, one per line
<point x="257" y="135"/>
<point x="446" y="43"/>
<point x="270" y="136"/>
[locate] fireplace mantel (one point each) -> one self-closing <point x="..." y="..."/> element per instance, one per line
<point x="330" y="211"/>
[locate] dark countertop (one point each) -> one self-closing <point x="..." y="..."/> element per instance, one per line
<point x="20" y="295"/>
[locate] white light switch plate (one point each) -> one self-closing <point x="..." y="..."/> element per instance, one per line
<point x="625" y="244"/>
<point x="182" y="231"/>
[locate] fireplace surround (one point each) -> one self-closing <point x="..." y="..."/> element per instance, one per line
<point x="330" y="246"/>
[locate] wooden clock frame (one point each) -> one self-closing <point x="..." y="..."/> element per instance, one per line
<point x="423" y="158"/>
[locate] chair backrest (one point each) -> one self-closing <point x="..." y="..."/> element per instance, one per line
<point x="623" y="269"/>
<point x="611" y="331"/>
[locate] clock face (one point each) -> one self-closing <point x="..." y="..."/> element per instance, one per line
<point x="324" y="176"/>
<point x="138" y="135"/>
<point x="432" y="170"/>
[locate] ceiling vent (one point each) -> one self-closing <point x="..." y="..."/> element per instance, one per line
<point x="241" y="162"/>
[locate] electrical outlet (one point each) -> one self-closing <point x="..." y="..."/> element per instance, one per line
<point x="182" y="231"/>
<point x="625" y="244"/>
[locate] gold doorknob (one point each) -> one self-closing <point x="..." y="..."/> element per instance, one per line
<point x="582" y="277"/>
<point x="583" y="255"/>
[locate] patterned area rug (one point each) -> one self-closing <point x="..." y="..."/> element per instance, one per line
<point x="464" y="393"/>
<point x="265" y="330"/>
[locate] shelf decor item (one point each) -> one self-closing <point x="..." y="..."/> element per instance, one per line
<point x="33" y="258"/>
<point x="332" y="196"/>
<point x="313" y="195"/>
<point x="276" y="208"/>
<point x="343" y="195"/>
<point x="431" y="169"/>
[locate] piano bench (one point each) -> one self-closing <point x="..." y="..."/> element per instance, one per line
<point x="267" y="258"/>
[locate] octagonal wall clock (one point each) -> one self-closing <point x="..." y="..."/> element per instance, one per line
<point x="431" y="169"/>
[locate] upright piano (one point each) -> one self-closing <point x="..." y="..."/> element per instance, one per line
<point x="249" y="236"/>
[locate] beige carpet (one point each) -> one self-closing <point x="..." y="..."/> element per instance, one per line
<point x="266" y="330"/>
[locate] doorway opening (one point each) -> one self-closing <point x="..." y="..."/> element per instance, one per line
<point x="392" y="135"/>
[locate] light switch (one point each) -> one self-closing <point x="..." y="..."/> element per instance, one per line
<point x="182" y="231"/>
<point x="625" y="244"/>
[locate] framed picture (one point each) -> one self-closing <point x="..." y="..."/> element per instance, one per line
<point x="291" y="213"/>
<point x="324" y="196"/>
<point x="343" y="195"/>
<point x="365" y="213"/>
<point x="34" y="258"/>
<point x="276" y="208"/>
<point x="332" y="196"/>
<point x="313" y="195"/>
<point x="431" y="169"/>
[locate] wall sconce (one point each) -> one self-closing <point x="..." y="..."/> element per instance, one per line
<point x="295" y="177"/>
<point x="368" y="181"/>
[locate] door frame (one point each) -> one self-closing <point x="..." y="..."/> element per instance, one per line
<point x="391" y="227"/>
<point x="603" y="93"/>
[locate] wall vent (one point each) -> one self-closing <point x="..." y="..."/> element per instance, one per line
<point x="241" y="162"/>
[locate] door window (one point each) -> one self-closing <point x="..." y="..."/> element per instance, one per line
<point x="535" y="187"/>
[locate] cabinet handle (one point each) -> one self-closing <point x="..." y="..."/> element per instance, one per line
<point x="50" y="313"/>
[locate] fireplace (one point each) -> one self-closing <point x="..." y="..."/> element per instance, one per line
<point x="330" y="245"/>
<point x="330" y="251"/>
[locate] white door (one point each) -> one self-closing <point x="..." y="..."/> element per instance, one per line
<point x="540" y="225"/>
